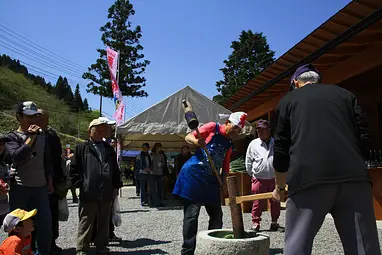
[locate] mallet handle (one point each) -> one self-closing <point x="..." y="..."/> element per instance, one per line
<point x="210" y="160"/>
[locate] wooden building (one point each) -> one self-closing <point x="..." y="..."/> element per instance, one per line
<point x="347" y="50"/>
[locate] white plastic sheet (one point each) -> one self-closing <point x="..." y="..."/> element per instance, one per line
<point x="116" y="213"/>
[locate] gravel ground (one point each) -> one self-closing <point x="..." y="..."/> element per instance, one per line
<point x="159" y="231"/>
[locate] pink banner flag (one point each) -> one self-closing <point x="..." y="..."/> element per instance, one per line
<point x="112" y="60"/>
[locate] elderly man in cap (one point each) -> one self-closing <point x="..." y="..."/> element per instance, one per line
<point x="113" y="143"/>
<point x="95" y="171"/>
<point x="320" y="143"/>
<point x="259" y="165"/>
<point x="31" y="172"/>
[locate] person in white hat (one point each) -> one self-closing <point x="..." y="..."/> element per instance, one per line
<point x="197" y="185"/>
<point x="95" y="163"/>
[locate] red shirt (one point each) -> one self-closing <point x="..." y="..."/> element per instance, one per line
<point x="207" y="131"/>
<point x="15" y="245"/>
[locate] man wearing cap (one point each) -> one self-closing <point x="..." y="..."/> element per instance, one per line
<point x="95" y="171"/>
<point x="197" y="185"/>
<point x="320" y="143"/>
<point x="31" y="172"/>
<point x="113" y="143"/>
<point x="259" y="165"/>
<point x="60" y="189"/>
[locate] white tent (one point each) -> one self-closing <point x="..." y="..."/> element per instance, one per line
<point x="164" y="122"/>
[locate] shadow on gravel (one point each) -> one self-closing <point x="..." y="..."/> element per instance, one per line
<point x="143" y="252"/>
<point x="170" y="208"/>
<point x="70" y="251"/>
<point x="133" y="211"/>
<point x="141" y="242"/>
<point x="275" y="251"/>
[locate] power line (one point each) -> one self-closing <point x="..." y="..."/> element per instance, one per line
<point x="60" y="66"/>
<point x="7" y="46"/>
<point x="31" y="43"/>
<point x="46" y="57"/>
<point x="46" y="73"/>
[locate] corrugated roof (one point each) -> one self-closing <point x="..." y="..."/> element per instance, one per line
<point x="350" y="16"/>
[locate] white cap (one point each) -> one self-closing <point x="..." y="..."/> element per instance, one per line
<point x="238" y="119"/>
<point x="107" y="121"/>
<point x="97" y="122"/>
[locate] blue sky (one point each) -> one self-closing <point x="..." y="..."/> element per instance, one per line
<point x="186" y="41"/>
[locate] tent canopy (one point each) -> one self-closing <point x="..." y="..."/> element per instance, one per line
<point x="164" y="122"/>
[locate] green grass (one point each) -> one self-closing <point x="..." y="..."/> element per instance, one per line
<point x="15" y="87"/>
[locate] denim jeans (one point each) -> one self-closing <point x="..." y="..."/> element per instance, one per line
<point x="190" y="223"/>
<point x="28" y="198"/>
<point x="143" y="178"/>
<point x="156" y="191"/>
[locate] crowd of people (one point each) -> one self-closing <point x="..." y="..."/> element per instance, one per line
<point x="37" y="173"/>
<point x="318" y="150"/>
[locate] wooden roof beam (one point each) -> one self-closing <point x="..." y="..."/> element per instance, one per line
<point x="362" y="62"/>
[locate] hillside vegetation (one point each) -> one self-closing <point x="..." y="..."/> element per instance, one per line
<point x="15" y="87"/>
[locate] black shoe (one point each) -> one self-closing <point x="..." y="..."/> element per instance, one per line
<point x="275" y="227"/>
<point x="54" y="249"/>
<point x="255" y="228"/>
<point x="115" y="239"/>
<point x="145" y="204"/>
<point x="102" y="251"/>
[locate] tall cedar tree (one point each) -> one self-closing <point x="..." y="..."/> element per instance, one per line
<point x="119" y="35"/>
<point x="250" y="56"/>
<point x="86" y="105"/>
<point x="78" y="104"/>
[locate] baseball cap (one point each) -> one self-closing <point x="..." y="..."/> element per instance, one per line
<point x="109" y="122"/>
<point x="15" y="217"/>
<point x="27" y="108"/>
<point x="97" y="122"/>
<point x="303" y="69"/>
<point x="262" y="124"/>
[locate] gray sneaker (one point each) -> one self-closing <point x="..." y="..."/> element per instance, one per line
<point x="81" y="253"/>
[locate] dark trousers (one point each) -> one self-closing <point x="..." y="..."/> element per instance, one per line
<point x="111" y="226"/>
<point x="190" y="223"/>
<point x="137" y="187"/>
<point x="28" y="198"/>
<point x="351" y="206"/>
<point x="53" y="200"/>
<point x="88" y="212"/>
<point x="145" y="181"/>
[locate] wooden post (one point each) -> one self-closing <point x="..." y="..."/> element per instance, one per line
<point x="236" y="214"/>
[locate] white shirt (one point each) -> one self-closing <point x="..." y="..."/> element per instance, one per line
<point x="259" y="159"/>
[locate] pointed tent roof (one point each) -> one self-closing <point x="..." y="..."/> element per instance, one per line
<point x="164" y="122"/>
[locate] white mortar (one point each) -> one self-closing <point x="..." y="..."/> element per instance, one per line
<point x="210" y="245"/>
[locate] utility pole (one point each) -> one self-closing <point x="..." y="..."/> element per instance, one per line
<point x="78" y="124"/>
<point x="100" y="105"/>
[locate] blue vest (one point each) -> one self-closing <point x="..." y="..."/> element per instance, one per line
<point x="196" y="180"/>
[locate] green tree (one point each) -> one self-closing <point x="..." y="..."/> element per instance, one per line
<point x="78" y="104"/>
<point x="68" y="93"/>
<point x="250" y="56"/>
<point x="86" y="105"/>
<point x="59" y="89"/>
<point x="119" y="35"/>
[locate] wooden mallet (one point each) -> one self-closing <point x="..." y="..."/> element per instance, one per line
<point x="193" y="123"/>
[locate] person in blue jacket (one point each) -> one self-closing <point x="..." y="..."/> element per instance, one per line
<point x="197" y="185"/>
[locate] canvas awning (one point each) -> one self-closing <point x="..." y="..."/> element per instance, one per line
<point x="164" y="122"/>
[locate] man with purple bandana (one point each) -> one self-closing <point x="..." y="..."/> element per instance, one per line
<point x="321" y="141"/>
